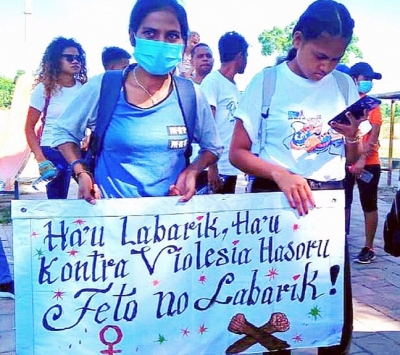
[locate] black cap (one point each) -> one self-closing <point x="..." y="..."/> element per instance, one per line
<point x="364" y="69"/>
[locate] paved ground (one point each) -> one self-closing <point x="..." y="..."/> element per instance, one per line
<point x="376" y="289"/>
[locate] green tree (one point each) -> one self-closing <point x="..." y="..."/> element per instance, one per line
<point x="6" y="92"/>
<point x="279" y="41"/>
<point x="19" y="73"/>
<point x="352" y="49"/>
<point x="386" y="112"/>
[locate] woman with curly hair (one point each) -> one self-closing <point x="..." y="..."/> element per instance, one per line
<point x="61" y="74"/>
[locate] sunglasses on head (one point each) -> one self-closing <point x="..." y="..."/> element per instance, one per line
<point x="71" y="57"/>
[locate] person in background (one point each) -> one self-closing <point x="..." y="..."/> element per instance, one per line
<point x="185" y="68"/>
<point x="6" y="282"/>
<point x="307" y="95"/>
<point x="202" y="62"/>
<point x="144" y="147"/>
<point x="363" y="74"/>
<point x="115" y="58"/>
<point x="61" y="75"/>
<point x="343" y="68"/>
<point x="220" y="89"/>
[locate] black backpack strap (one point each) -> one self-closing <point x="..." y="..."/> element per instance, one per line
<point x="109" y="93"/>
<point x="188" y="104"/>
<point x="110" y="89"/>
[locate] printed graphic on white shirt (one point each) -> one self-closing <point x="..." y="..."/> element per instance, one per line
<point x="308" y="135"/>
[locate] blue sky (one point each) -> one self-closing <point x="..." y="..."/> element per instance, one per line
<point x="99" y="23"/>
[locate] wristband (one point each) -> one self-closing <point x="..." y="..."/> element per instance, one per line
<point x="84" y="172"/>
<point x="352" y="140"/>
<point x="77" y="161"/>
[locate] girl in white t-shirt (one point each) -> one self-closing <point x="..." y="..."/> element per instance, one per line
<point x="302" y="151"/>
<point x="61" y="74"/>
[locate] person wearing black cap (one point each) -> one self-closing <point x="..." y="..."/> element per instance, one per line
<point x="363" y="74"/>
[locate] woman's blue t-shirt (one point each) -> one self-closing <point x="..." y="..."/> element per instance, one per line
<point x="144" y="149"/>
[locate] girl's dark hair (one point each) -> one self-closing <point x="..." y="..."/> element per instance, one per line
<point x="291" y="54"/>
<point x="144" y="7"/>
<point x="50" y="67"/>
<point x="325" y="16"/>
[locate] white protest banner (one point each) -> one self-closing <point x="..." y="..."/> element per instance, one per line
<point x="220" y="274"/>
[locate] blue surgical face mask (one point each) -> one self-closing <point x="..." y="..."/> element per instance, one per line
<point x="157" y="57"/>
<point x="364" y="86"/>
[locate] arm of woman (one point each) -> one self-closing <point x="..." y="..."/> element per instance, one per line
<point x="353" y="144"/>
<point x="87" y="189"/>
<point x="207" y="137"/>
<point x="185" y="185"/>
<point x="295" y="187"/>
<point x="366" y="149"/>
<point x="80" y="114"/>
<point x="372" y="140"/>
<point x="30" y="133"/>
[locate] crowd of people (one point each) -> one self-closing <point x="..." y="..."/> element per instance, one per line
<point x="145" y="150"/>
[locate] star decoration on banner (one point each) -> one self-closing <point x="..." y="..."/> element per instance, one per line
<point x="34" y="234"/>
<point x="296" y="227"/>
<point x="58" y="294"/>
<point x="185" y="332"/>
<point x="202" y="329"/>
<point x="161" y="339"/>
<point x="202" y="279"/>
<point x="39" y="253"/>
<point x="155" y="282"/>
<point x="272" y="274"/>
<point x="79" y="222"/>
<point x="72" y="252"/>
<point x="298" y="338"/>
<point x="315" y="312"/>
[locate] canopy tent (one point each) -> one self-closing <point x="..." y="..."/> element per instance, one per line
<point x="393" y="96"/>
<point x="389" y="95"/>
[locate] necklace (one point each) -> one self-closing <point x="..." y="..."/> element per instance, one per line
<point x="142" y="87"/>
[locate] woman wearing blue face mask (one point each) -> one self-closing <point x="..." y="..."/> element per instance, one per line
<point x="363" y="74"/>
<point x="145" y="144"/>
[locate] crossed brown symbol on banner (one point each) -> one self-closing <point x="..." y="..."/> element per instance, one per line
<point x="253" y="335"/>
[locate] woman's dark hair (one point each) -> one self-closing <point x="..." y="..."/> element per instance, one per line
<point x="230" y="44"/>
<point x="50" y="67"/>
<point x="144" y="7"/>
<point x="291" y="54"/>
<point x="324" y="16"/>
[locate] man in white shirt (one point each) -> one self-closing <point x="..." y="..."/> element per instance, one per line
<point x="202" y="62"/>
<point x="222" y="94"/>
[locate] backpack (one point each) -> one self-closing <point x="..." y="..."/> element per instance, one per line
<point x="391" y="229"/>
<point x="109" y="93"/>
<point x="269" y="84"/>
